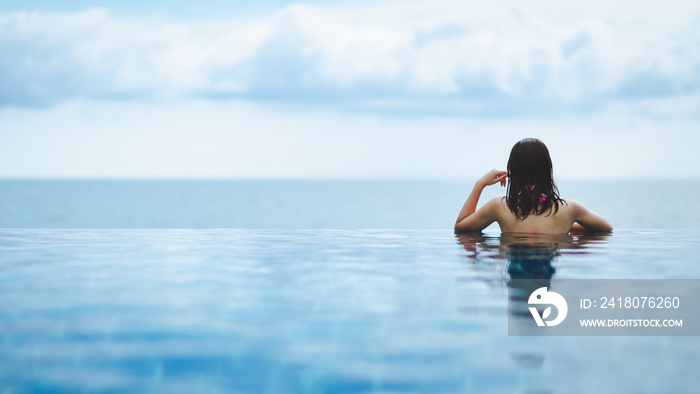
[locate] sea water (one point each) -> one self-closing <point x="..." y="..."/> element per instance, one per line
<point x="291" y="204"/>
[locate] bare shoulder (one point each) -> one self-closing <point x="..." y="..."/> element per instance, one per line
<point x="496" y="202"/>
<point x="572" y="204"/>
<point x="576" y="206"/>
<point x="569" y="209"/>
<point x="497" y="205"/>
<point x="587" y="218"/>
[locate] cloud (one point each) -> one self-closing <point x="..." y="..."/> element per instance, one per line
<point x="493" y="61"/>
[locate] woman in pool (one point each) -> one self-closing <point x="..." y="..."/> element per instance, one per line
<point x="532" y="203"/>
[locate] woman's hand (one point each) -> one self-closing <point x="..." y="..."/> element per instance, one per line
<point x="492" y="177"/>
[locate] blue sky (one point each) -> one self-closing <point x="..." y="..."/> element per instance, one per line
<point x="347" y="89"/>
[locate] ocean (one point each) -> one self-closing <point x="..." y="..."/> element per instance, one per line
<point x="308" y="204"/>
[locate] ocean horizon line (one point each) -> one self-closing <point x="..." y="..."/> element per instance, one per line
<point x="363" y="178"/>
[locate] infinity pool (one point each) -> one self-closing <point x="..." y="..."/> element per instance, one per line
<point x="318" y="311"/>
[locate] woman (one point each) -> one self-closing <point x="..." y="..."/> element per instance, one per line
<point x="532" y="203"/>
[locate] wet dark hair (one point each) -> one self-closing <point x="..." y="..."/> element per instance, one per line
<point x="530" y="165"/>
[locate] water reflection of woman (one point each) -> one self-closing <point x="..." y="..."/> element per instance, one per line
<point x="529" y="266"/>
<point x="529" y="256"/>
<point x="529" y="259"/>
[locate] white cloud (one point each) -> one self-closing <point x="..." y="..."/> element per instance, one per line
<point x="418" y="57"/>
<point x="204" y="138"/>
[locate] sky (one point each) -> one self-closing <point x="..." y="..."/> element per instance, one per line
<point x="396" y="89"/>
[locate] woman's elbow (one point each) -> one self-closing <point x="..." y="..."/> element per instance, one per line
<point x="463" y="227"/>
<point x="602" y="227"/>
<point x="469" y="226"/>
<point x="605" y="225"/>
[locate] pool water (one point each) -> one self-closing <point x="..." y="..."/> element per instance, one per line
<point x="317" y="311"/>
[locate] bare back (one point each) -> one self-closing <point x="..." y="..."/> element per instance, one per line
<point x="562" y="221"/>
<point x="559" y="222"/>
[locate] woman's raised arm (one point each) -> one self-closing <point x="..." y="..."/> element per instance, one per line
<point x="468" y="219"/>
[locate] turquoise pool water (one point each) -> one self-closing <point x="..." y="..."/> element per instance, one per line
<point x="316" y="311"/>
